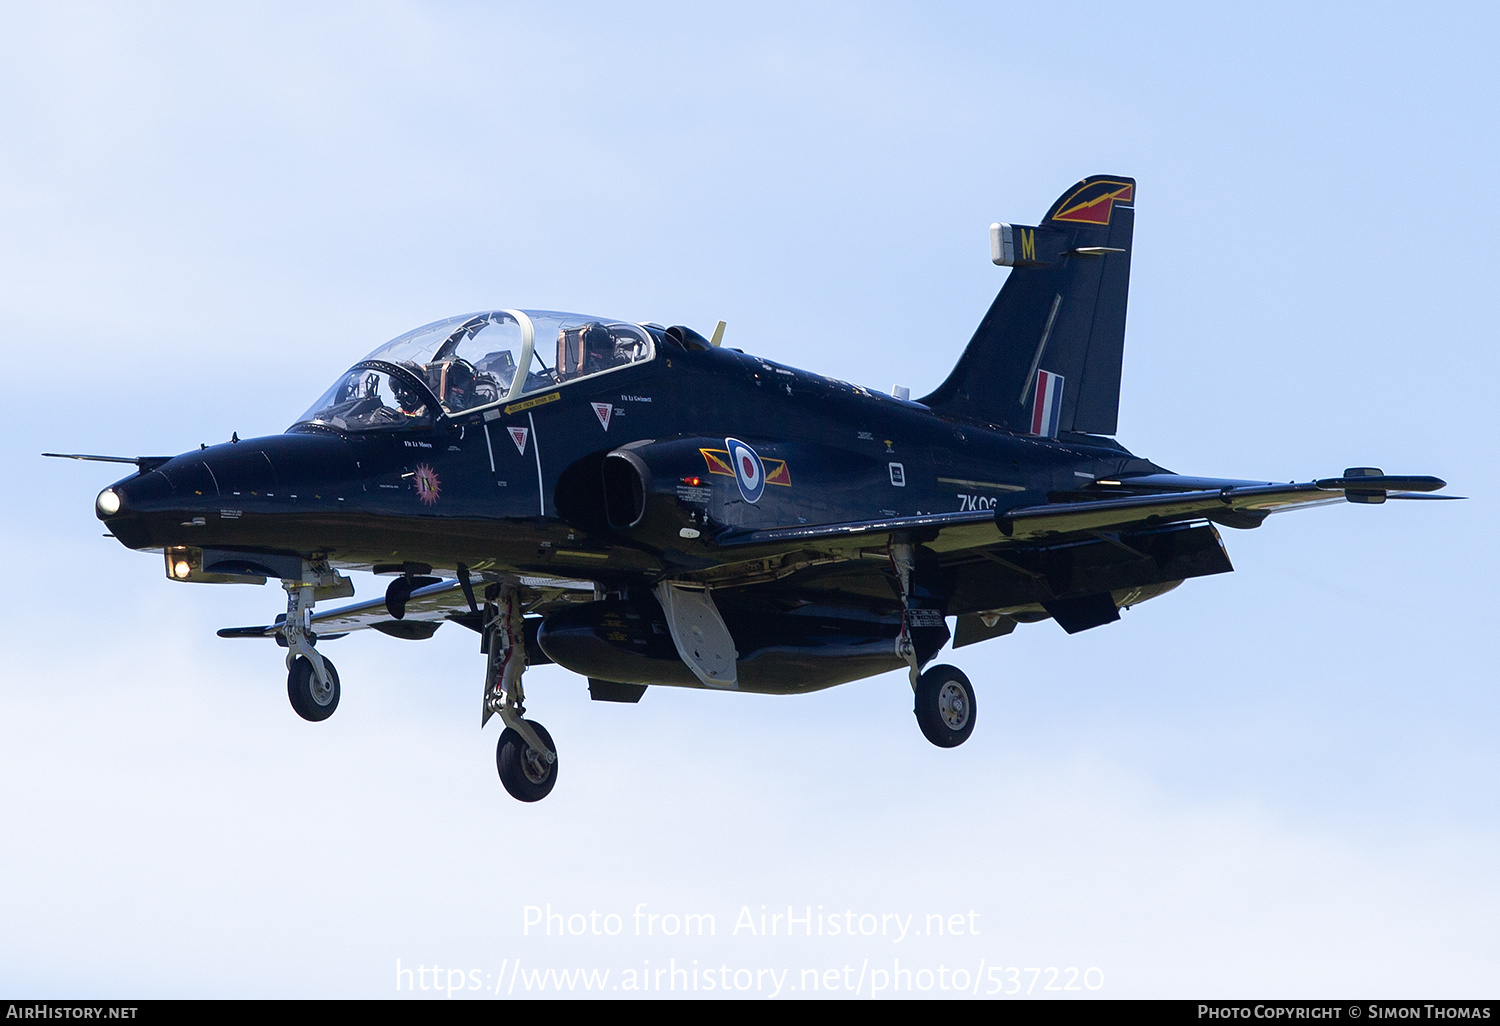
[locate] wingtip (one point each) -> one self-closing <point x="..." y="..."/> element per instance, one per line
<point x="1381" y="482"/>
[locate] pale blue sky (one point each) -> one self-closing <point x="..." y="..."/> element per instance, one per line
<point x="1282" y="781"/>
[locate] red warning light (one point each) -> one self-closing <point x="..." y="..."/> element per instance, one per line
<point x="692" y="482"/>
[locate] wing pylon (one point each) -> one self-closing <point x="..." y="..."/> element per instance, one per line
<point x="427" y="609"/>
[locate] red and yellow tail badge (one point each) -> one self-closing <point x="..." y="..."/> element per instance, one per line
<point x="1094" y="203"/>
<point x="717" y="461"/>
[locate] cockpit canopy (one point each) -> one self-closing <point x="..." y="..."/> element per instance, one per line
<point x="475" y="360"/>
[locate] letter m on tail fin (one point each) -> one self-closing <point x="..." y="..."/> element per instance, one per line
<point x="1062" y="308"/>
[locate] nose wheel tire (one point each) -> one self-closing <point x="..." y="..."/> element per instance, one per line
<point x="526" y="775"/>
<point x="945" y="706"/>
<point x="308" y="696"/>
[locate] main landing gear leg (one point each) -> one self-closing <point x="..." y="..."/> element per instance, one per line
<point x="312" y="684"/>
<point x="904" y="556"/>
<point x="942" y="698"/>
<point x="525" y="756"/>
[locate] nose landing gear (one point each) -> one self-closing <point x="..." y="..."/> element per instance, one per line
<point x="525" y="756"/>
<point x="312" y="684"/>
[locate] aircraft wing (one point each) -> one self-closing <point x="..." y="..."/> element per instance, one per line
<point x="1105" y="506"/>
<point x="427" y="610"/>
<point x="1151" y="500"/>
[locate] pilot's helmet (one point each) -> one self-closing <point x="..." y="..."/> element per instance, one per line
<point x="458" y="380"/>
<point x="408" y="398"/>
<point x="598" y="346"/>
<point x="459" y="374"/>
<point x="597" y="338"/>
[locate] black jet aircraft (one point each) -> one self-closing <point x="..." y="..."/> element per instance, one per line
<point x="645" y="506"/>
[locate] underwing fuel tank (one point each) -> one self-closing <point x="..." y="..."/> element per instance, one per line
<point x="781" y="652"/>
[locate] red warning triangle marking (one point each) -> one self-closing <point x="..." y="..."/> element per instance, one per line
<point x="518" y="435"/>
<point x="603" y="411"/>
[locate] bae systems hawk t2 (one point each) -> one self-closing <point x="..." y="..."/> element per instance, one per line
<point x="645" y="507"/>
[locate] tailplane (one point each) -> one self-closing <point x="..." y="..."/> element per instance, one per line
<point x="1046" y="358"/>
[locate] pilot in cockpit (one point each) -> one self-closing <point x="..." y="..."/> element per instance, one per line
<point x="455" y="385"/>
<point x="587" y="349"/>
<point x="408" y="399"/>
<point x="456" y="382"/>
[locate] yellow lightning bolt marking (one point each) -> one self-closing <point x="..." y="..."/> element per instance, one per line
<point x="1111" y="196"/>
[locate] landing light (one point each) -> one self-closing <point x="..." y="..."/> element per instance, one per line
<point x="181" y="569"/>
<point x="108" y="502"/>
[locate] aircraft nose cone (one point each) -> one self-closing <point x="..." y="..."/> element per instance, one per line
<point x="183" y="482"/>
<point x="184" y="500"/>
<point x="129" y="506"/>
<point x="141" y="493"/>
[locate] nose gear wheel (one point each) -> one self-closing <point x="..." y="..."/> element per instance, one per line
<point x="310" y="697"/>
<point x="526" y="773"/>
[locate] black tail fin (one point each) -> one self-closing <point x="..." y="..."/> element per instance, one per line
<point x="1046" y="358"/>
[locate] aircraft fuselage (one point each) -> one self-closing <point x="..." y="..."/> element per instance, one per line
<point x="483" y="489"/>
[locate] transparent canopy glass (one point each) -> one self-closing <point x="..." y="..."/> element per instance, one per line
<point x="473" y="360"/>
<point x="367" y="399"/>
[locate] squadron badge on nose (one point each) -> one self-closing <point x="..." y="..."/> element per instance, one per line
<point x="426" y="482"/>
